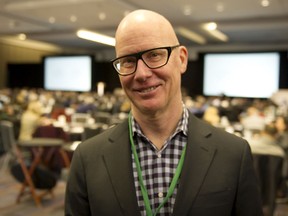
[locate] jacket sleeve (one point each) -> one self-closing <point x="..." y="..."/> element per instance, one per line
<point x="76" y="197"/>
<point x="248" y="199"/>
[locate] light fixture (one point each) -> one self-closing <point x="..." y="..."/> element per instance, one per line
<point x="22" y="36"/>
<point x="73" y="18"/>
<point x="187" y="10"/>
<point x="265" y="3"/>
<point x="102" y="16"/>
<point x="220" y="7"/>
<point x="219" y="35"/>
<point x="96" y="37"/>
<point x="52" y="19"/>
<point x="211" y="27"/>
<point x="191" y="35"/>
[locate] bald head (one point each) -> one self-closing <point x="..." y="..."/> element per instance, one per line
<point x="144" y="26"/>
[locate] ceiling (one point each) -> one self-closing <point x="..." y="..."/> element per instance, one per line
<point x="245" y="22"/>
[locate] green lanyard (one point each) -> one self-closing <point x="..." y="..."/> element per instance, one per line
<point x="141" y="182"/>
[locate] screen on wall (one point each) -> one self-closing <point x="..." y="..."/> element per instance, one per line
<point x="68" y="73"/>
<point x="252" y="75"/>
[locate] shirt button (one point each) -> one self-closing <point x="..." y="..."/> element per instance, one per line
<point x="160" y="194"/>
<point x="159" y="155"/>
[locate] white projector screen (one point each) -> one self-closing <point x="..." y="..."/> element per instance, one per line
<point x="252" y="75"/>
<point x="68" y="73"/>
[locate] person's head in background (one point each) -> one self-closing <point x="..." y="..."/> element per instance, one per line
<point x="151" y="90"/>
<point x="281" y="123"/>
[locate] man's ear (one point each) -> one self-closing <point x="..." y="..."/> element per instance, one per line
<point x="183" y="58"/>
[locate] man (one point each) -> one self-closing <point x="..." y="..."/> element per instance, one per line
<point x="162" y="160"/>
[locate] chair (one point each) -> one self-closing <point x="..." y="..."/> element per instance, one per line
<point x="269" y="171"/>
<point x="102" y="117"/>
<point x="8" y="142"/>
<point x="91" y="131"/>
<point x="22" y="170"/>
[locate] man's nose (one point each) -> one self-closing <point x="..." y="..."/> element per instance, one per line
<point x="142" y="71"/>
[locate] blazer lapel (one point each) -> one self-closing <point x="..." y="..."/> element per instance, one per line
<point x="198" y="158"/>
<point x="117" y="157"/>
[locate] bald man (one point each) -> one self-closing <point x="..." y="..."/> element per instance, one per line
<point x="162" y="160"/>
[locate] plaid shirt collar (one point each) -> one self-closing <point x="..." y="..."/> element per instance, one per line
<point x="182" y="125"/>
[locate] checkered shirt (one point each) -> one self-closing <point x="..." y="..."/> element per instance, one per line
<point x="158" y="166"/>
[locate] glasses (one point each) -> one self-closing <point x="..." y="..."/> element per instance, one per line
<point x="153" y="58"/>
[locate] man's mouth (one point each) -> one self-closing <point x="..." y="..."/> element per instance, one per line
<point x="147" y="90"/>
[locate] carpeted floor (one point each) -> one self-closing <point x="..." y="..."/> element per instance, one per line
<point x="9" y="189"/>
<point x="54" y="206"/>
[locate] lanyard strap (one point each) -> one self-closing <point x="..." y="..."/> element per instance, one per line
<point x="140" y="177"/>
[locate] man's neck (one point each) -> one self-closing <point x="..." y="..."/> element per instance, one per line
<point x="158" y="127"/>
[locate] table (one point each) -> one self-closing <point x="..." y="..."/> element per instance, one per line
<point x="37" y="146"/>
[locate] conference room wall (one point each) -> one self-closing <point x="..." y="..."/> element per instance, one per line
<point x="11" y="53"/>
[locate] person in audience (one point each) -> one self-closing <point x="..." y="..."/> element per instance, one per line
<point x="252" y="120"/>
<point x="265" y="142"/>
<point x="162" y="160"/>
<point x="281" y="124"/>
<point x="211" y="115"/>
<point x="30" y="120"/>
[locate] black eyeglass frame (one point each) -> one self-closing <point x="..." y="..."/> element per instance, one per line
<point x="139" y="56"/>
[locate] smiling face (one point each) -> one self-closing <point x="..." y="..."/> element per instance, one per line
<point x="151" y="90"/>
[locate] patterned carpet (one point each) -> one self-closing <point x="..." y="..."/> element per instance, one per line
<point x="9" y="189"/>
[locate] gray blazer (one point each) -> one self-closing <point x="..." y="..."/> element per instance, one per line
<point x="217" y="179"/>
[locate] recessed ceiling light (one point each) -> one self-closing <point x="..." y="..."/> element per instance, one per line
<point x="73" y="18"/>
<point x="52" y="19"/>
<point x="210" y="26"/>
<point x="22" y="37"/>
<point x="220" y="7"/>
<point x="102" y="16"/>
<point x="265" y="3"/>
<point x="212" y="29"/>
<point x="187" y="10"/>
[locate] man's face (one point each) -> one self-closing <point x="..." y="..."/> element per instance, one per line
<point x="152" y="90"/>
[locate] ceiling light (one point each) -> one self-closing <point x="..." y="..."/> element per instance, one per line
<point x="187" y="10"/>
<point x="210" y="26"/>
<point x="52" y="20"/>
<point x="212" y="29"/>
<point x="220" y="7"/>
<point x="191" y="35"/>
<point x="265" y="3"/>
<point x="102" y="16"/>
<point x="219" y="35"/>
<point x="22" y="37"/>
<point x="96" y="37"/>
<point x="126" y="12"/>
<point x="73" y="18"/>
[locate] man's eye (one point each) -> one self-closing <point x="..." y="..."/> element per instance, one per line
<point x="127" y="62"/>
<point x="155" y="55"/>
